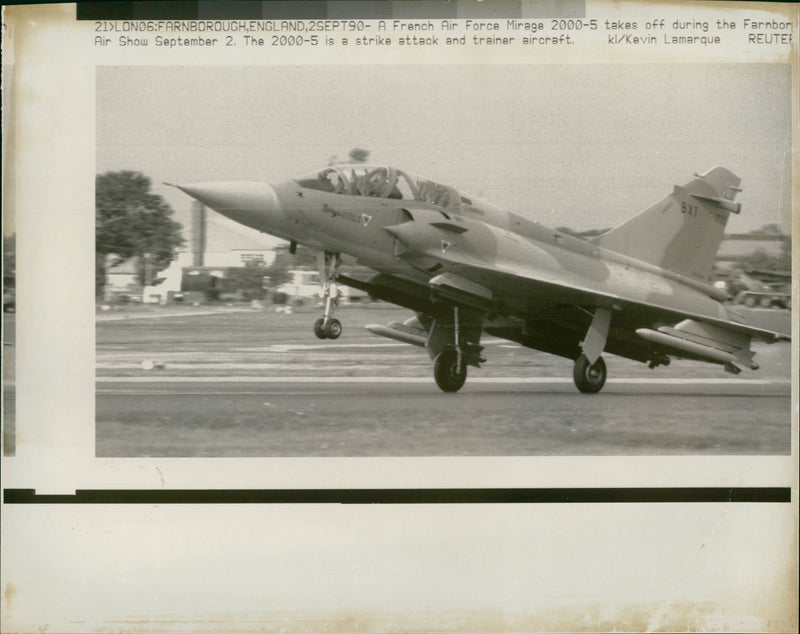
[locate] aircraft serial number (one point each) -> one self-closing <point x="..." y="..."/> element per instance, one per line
<point x="689" y="210"/>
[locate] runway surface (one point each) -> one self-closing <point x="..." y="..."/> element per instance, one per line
<point x="253" y="382"/>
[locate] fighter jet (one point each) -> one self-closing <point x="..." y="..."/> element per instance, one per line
<point x="467" y="267"/>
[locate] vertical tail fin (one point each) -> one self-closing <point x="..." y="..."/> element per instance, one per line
<point x="683" y="231"/>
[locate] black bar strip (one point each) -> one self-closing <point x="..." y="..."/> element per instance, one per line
<point x="635" y="495"/>
<point x="235" y="10"/>
<point x="322" y="9"/>
<point x="294" y="10"/>
<point x="104" y="11"/>
<point x="137" y="10"/>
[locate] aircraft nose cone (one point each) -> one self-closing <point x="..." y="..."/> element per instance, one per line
<point x="247" y="202"/>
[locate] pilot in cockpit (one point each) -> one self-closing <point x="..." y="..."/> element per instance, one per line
<point x="395" y="193"/>
<point x="339" y="185"/>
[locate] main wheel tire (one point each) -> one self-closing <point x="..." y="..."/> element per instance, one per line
<point x="589" y="377"/>
<point x="333" y="329"/>
<point x="450" y="375"/>
<point x="319" y="328"/>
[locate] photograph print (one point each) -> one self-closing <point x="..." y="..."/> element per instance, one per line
<point x="443" y="260"/>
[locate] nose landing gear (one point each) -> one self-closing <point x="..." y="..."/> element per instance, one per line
<point x="327" y="326"/>
<point x="330" y="330"/>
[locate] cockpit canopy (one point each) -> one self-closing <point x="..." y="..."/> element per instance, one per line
<point x="359" y="179"/>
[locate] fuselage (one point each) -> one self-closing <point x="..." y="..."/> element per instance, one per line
<point x="401" y="224"/>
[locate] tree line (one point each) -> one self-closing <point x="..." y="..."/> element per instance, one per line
<point x="132" y="223"/>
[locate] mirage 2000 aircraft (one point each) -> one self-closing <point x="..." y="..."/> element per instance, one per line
<point x="466" y="267"/>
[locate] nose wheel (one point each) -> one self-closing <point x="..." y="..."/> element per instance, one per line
<point x="327" y="326"/>
<point x="330" y="330"/>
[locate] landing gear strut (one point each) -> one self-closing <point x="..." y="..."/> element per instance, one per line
<point x="327" y="326"/>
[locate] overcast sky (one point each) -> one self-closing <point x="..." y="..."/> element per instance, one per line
<point x="584" y="146"/>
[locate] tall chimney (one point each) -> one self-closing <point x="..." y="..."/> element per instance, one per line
<point x="198" y="236"/>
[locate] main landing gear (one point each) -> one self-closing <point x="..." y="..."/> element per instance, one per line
<point x="589" y="372"/>
<point x="453" y="347"/>
<point x="327" y="326"/>
<point x="453" y="344"/>
<point x="449" y="370"/>
<point x="589" y="377"/>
